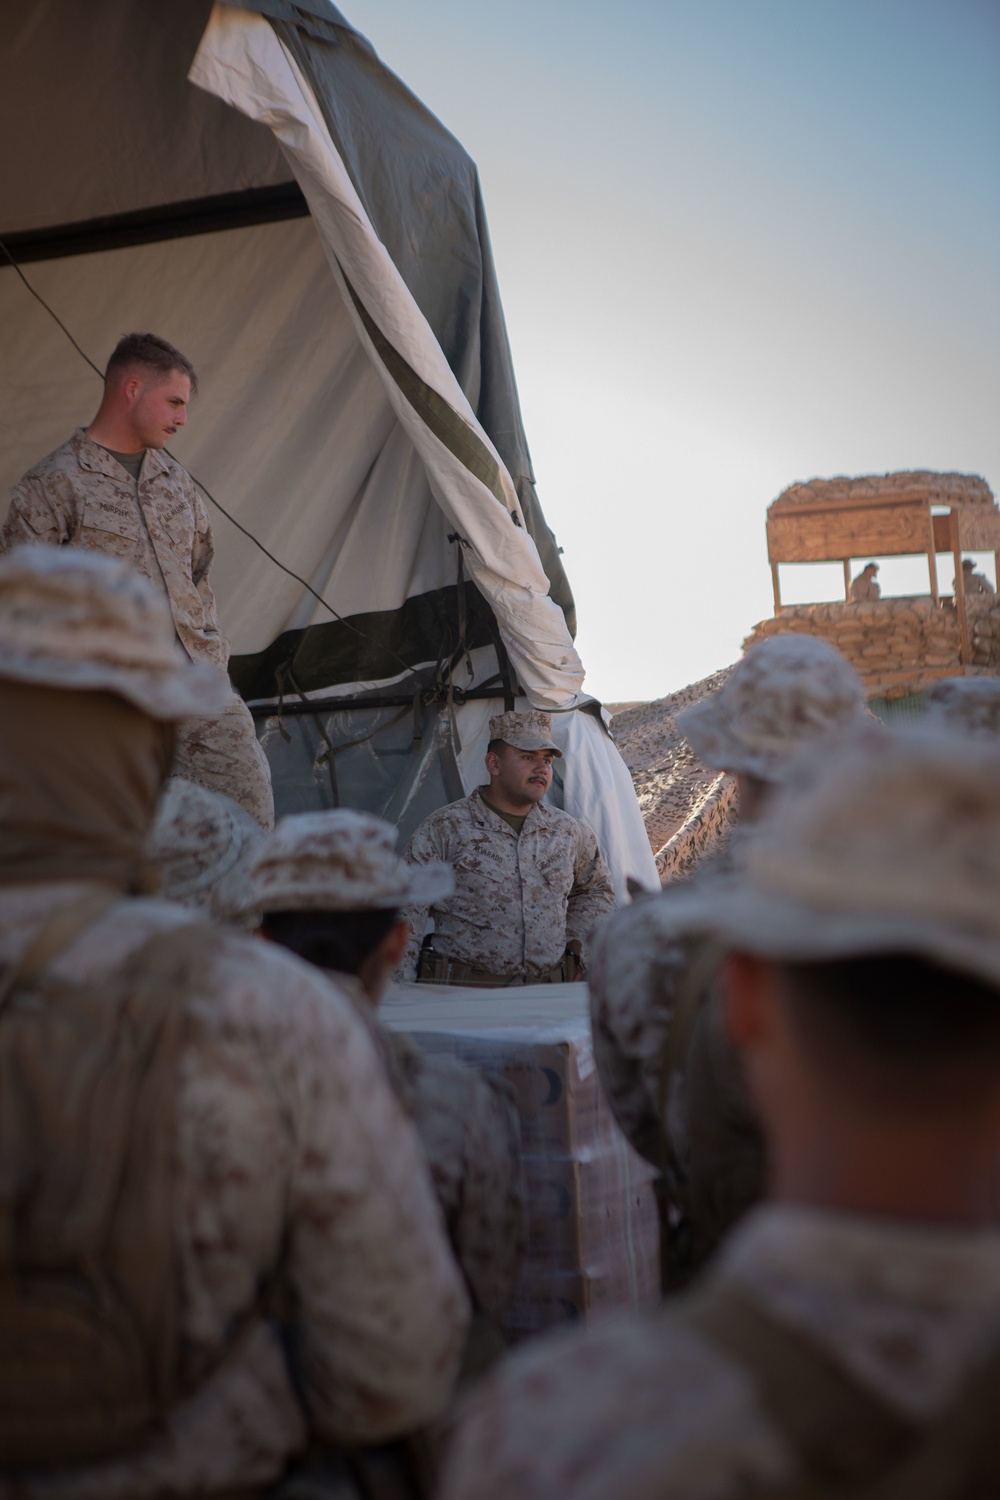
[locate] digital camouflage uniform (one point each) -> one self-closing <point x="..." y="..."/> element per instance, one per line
<point x="864" y="590"/>
<point x="285" y="1121"/>
<point x="889" y="845"/>
<point x="345" y="861"/>
<point x="644" y="1408"/>
<point x="673" y="1082"/>
<point x="294" y="1166"/>
<point x="519" y="899"/>
<point x="468" y="1127"/>
<point x="977" y="583"/>
<point x="81" y="495"/>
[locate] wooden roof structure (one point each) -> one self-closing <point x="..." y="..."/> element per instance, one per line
<point x="890" y="515"/>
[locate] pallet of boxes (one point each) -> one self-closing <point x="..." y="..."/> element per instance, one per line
<point x="592" y="1227"/>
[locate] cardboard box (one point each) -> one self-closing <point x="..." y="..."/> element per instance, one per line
<point x="592" y="1226"/>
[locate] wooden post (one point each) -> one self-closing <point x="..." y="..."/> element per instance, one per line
<point x="963" y="622"/>
<point x="847" y="579"/>
<point x="777" y="588"/>
<point x="932" y="556"/>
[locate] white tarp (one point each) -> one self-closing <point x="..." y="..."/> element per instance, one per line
<point x="243" y="62"/>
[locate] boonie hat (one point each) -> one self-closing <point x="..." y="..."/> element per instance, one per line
<point x="889" y="844"/>
<point x="338" y="861"/>
<point x="201" y="844"/>
<point x="969" y="704"/>
<point x="80" y="620"/>
<point x="787" y="691"/>
<point x="530" y="730"/>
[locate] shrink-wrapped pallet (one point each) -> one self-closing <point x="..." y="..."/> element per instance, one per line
<point x="592" y="1226"/>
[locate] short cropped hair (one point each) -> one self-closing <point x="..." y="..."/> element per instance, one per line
<point x="339" y="940"/>
<point x="898" y="1030"/>
<point x="495" y="746"/>
<point x="152" y="352"/>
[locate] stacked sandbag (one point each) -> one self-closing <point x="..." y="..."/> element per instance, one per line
<point x="688" y="809"/>
<point x="983" y="612"/>
<point x="898" y="646"/>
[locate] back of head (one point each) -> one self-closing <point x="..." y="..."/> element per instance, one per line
<point x="334" y="940"/>
<point x="881" y="859"/>
<point x="149" y="353"/>
<point x="788" y="692"/>
<point x="91" y="680"/>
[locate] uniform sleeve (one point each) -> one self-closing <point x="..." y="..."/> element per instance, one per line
<point x="468" y="1126"/>
<point x="633" y="977"/>
<point x="202" y="557"/>
<point x="382" y="1312"/>
<point x="593" y="895"/>
<point x="425" y="847"/>
<point x="32" y="517"/>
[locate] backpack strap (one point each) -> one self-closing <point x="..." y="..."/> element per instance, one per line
<point x="848" y="1441"/>
<point x="55" y="935"/>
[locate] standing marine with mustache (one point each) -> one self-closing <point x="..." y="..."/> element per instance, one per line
<point x="530" y="881"/>
<point x="111" y="488"/>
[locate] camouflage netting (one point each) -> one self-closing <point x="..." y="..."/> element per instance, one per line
<point x="689" y="811"/>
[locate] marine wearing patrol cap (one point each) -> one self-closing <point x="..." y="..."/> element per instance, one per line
<point x="787" y="692"/>
<point x="528" y="730"/>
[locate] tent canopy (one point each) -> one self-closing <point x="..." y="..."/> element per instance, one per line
<point x="252" y="183"/>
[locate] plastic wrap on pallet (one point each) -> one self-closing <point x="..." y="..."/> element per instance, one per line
<point x="592" y="1230"/>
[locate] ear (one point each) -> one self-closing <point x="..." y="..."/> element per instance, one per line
<point x="132" y="389"/>
<point x="746" y="992"/>
<point x="493" y="763"/>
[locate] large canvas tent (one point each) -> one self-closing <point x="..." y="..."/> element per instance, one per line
<point x="252" y="183"/>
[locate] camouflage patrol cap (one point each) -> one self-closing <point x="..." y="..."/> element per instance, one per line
<point x="201" y="844"/>
<point x="338" y="861"/>
<point x="787" y="691"/>
<point x="83" y="621"/>
<point x="969" y="704"/>
<point x="530" y="730"/>
<point x="889" y="843"/>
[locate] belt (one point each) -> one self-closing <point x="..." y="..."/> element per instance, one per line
<point x="438" y="968"/>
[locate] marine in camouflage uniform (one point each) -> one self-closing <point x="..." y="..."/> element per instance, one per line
<point x="973" y="582"/>
<point x="864" y="588"/>
<point x="854" y="1321"/>
<point x="667" y="1070"/>
<point x="155" y="520"/>
<point x="291" y="1147"/>
<point x="316" y="881"/>
<point x="530" y="881"/>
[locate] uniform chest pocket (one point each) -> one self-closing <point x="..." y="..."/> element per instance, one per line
<point x="178" y="523"/>
<point x="114" y="515"/>
<point x="557" y="874"/>
<point x="481" y="863"/>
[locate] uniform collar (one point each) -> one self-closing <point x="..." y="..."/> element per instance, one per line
<point x="98" y="459"/>
<point x="487" y="818"/>
<point x="836" y="1255"/>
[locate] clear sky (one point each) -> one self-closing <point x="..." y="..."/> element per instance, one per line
<point x="740" y="243"/>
